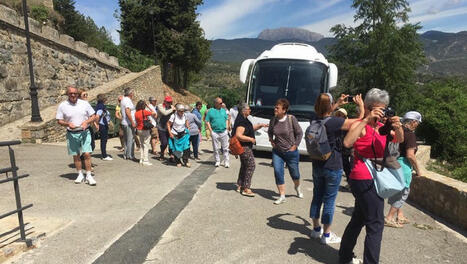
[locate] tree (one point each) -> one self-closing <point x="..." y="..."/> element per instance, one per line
<point x="382" y="51"/>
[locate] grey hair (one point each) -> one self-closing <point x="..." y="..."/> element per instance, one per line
<point x="376" y="96"/>
<point x="180" y="107"/>
<point x="243" y="106"/>
<point x="127" y="91"/>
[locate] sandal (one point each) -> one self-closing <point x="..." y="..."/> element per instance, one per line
<point x="248" y="193"/>
<point x="403" y="220"/>
<point x="392" y="223"/>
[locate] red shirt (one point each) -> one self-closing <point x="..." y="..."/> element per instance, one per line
<point x="139" y="118"/>
<point x="364" y="149"/>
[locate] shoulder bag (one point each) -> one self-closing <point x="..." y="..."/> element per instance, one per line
<point x="147" y="124"/>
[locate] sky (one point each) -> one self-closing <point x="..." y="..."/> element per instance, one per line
<point x="229" y="19"/>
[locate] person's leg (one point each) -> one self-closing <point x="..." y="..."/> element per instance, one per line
<point x="292" y="159"/>
<point x="121" y="137"/>
<point x="145" y="144"/>
<point x="163" y="140"/>
<point x="401" y="219"/>
<point x="195" y="143"/>
<point x="185" y="156"/>
<point x="224" y="139"/>
<point x="126" y="139"/>
<point x="332" y="180"/>
<point x="104" y="133"/>
<point x="374" y="223"/>
<point x="354" y="227"/>
<point x="242" y="171"/>
<point x="93" y="138"/>
<point x="249" y="168"/>
<point x="216" y="145"/>
<point x="317" y="201"/>
<point x="346" y="165"/>
<point x="278" y="164"/>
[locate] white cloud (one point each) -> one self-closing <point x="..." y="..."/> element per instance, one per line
<point x="442" y="14"/>
<point x="323" y="26"/>
<point x="220" y="20"/>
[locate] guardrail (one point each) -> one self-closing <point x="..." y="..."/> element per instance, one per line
<point x="14" y="178"/>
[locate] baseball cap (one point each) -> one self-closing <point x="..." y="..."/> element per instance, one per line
<point x="413" y="115"/>
<point x="152" y="98"/>
<point x="168" y="98"/>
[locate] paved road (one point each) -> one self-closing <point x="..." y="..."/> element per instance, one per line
<point x="180" y="215"/>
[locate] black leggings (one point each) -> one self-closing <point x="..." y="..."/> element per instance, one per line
<point x="164" y="139"/>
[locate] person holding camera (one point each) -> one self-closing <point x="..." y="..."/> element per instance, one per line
<point x="143" y="131"/>
<point x="368" y="141"/>
<point x="327" y="174"/>
<point x="408" y="162"/>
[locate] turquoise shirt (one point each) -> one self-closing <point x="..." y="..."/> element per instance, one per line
<point x="217" y="119"/>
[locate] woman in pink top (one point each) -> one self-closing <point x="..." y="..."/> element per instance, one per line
<point x="367" y="141"/>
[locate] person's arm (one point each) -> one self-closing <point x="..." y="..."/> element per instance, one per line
<point x="118" y="114"/>
<point x="207" y="119"/>
<point x="90" y="120"/>
<point x="197" y="121"/>
<point x="166" y="111"/>
<point x="358" y="128"/>
<point x="128" y="115"/>
<point x="258" y="126"/>
<point x="187" y="125"/>
<point x="169" y="129"/>
<point x="271" y="132"/>
<point x="243" y="138"/>
<point x="410" y="152"/>
<point x="349" y="121"/>
<point x="397" y="127"/>
<point x="298" y="133"/>
<point x="340" y="101"/>
<point x="65" y="123"/>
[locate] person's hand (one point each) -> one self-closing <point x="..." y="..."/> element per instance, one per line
<point x="253" y="140"/>
<point x="395" y="122"/>
<point x="172" y="107"/>
<point x="342" y="99"/>
<point x="358" y="99"/>
<point x="84" y="125"/>
<point x="375" y="113"/>
<point x="171" y="135"/>
<point x="264" y="125"/>
<point x="133" y="124"/>
<point x="293" y="148"/>
<point x="272" y="144"/>
<point x="97" y="126"/>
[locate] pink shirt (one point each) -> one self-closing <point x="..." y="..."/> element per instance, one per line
<point x="364" y="149"/>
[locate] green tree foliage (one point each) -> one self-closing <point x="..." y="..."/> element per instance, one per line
<point x="382" y="51"/>
<point x="168" y="30"/>
<point x="40" y="13"/>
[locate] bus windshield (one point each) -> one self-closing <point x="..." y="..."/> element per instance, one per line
<point x="299" y="81"/>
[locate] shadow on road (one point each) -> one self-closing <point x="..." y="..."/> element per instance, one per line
<point x="226" y="186"/>
<point x="304" y="245"/>
<point x="347" y="210"/>
<point x="207" y="151"/>
<point x="69" y="176"/>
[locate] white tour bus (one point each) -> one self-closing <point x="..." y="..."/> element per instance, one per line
<point x="294" y="71"/>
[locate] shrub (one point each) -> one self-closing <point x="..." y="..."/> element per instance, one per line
<point x="40" y="13"/>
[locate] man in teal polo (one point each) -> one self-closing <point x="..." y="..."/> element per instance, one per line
<point x="217" y="122"/>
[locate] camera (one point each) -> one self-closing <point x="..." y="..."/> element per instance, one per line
<point x="350" y="98"/>
<point x="389" y="112"/>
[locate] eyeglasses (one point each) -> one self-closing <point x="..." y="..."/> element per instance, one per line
<point x="84" y="95"/>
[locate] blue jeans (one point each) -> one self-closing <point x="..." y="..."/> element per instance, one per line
<point x="194" y="139"/>
<point x="104" y="133"/>
<point x="326" y="185"/>
<point x="291" y="158"/>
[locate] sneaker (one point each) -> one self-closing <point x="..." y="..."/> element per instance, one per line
<point x="316" y="234"/>
<point x="146" y="163"/>
<point x="332" y="239"/>
<point x="355" y="261"/>
<point x="188" y="165"/>
<point x="222" y="163"/>
<point x="280" y="200"/>
<point x="299" y="194"/>
<point x="217" y="164"/>
<point x="108" y="158"/>
<point x="227" y="165"/>
<point x="80" y="178"/>
<point x="90" y="180"/>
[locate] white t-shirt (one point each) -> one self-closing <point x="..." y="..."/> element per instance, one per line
<point x="124" y="104"/>
<point x="178" y="123"/>
<point x="74" y="113"/>
<point x="233" y="115"/>
<point x="151" y="118"/>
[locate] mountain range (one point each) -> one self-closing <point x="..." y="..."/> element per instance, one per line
<point x="446" y="53"/>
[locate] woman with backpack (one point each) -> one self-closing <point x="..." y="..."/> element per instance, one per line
<point x="369" y="142"/>
<point x="285" y="134"/>
<point x="244" y="130"/>
<point x="103" y="125"/>
<point x="179" y="136"/>
<point x="143" y="130"/>
<point x="327" y="172"/>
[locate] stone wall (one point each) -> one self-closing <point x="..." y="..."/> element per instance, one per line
<point x="438" y="194"/>
<point x="58" y="61"/>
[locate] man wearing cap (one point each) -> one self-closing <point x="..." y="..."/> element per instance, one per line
<point x="217" y="122"/>
<point x="76" y="115"/>
<point x="128" y="124"/>
<point x="164" y="111"/>
<point x="152" y="106"/>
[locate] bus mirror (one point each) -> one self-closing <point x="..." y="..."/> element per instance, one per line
<point x="244" y="69"/>
<point x="332" y="76"/>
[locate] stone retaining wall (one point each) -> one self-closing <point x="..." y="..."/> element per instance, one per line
<point x="440" y="195"/>
<point x="58" y="61"/>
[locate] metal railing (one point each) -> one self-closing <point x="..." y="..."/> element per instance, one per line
<point x="14" y="178"/>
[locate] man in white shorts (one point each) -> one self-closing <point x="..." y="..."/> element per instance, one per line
<point x="77" y="115"/>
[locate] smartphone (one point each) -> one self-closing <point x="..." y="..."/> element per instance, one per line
<point x="350" y="98"/>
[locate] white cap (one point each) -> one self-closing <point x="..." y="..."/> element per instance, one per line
<point x="413" y="115"/>
<point x="342" y="110"/>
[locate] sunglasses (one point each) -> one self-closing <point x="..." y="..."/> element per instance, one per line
<point x="84" y="95"/>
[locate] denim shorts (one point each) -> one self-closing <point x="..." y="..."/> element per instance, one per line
<point x="291" y="158"/>
<point x="78" y="142"/>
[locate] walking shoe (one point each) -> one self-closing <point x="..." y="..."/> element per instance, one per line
<point x="280" y="200"/>
<point x="108" y="158"/>
<point x="188" y="165"/>
<point x="392" y="223"/>
<point x="222" y="163"/>
<point x="355" y="261"/>
<point x="146" y="163"/>
<point x="217" y="164"/>
<point x="299" y="193"/>
<point x="90" y="180"/>
<point x="248" y="193"/>
<point x="227" y="165"/>
<point x="331" y="239"/>
<point x="141" y="161"/>
<point x="80" y="178"/>
<point x="316" y="234"/>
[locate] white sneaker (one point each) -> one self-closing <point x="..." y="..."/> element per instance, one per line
<point x="332" y="239"/>
<point x="227" y="165"/>
<point x="300" y="194"/>
<point x="146" y="163"/>
<point x="280" y="200"/>
<point x="108" y="158"/>
<point x="315" y="234"/>
<point x="355" y="261"/>
<point x="222" y="163"/>
<point x="90" y="180"/>
<point x="80" y="178"/>
<point x="217" y="164"/>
